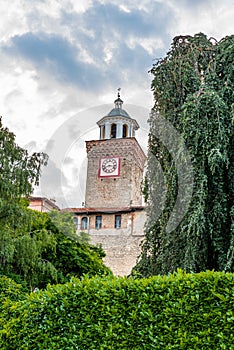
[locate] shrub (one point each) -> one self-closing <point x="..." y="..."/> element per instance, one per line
<point x="179" y="311"/>
<point x="10" y="289"/>
<point x="10" y="292"/>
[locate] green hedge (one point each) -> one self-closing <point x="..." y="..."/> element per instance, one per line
<point x="10" y="292"/>
<point x="9" y="289"/>
<point x="179" y="311"/>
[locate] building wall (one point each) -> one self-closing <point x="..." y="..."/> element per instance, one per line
<point x="121" y="191"/>
<point x="122" y="246"/>
<point x="42" y="204"/>
<point x="121" y="251"/>
<point x="36" y="205"/>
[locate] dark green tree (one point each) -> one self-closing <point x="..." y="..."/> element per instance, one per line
<point x="193" y="91"/>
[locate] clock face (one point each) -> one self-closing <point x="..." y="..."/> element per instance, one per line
<point x="109" y="167"/>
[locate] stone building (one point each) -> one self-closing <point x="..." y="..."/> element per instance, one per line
<point x="113" y="214"/>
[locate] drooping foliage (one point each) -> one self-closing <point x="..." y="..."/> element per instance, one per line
<point x="194" y="105"/>
<point x="37" y="248"/>
<point x="19" y="172"/>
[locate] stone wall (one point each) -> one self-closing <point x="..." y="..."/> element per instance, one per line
<point x="120" y="191"/>
<point x="121" y="251"/>
<point x="122" y="246"/>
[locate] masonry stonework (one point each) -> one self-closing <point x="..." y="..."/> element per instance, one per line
<point x="119" y="191"/>
<point x="121" y="251"/>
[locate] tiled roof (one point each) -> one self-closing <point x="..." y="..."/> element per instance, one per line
<point x="103" y="210"/>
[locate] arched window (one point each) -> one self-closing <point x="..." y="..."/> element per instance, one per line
<point x="75" y="219"/>
<point x="103" y="132"/>
<point x="113" y="131"/>
<point x="84" y="223"/>
<point x="125" y="131"/>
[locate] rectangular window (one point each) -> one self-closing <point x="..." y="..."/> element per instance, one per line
<point x="117" y="221"/>
<point x="98" y="223"/>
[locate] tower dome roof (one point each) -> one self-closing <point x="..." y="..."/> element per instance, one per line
<point x="118" y="110"/>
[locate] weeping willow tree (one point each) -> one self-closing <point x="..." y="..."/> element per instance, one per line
<point x="189" y="182"/>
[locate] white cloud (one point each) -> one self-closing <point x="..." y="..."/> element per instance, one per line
<point x="81" y="6"/>
<point x="149" y="44"/>
<point x="213" y="18"/>
<point x="13" y="19"/>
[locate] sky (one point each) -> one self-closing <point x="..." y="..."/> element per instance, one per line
<point x="62" y="61"/>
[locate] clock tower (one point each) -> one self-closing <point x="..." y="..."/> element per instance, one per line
<point x="113" y="214"/>
<point x="115" y="162"/>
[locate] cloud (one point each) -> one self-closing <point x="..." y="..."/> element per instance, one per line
<point x="54" y="54"/>
<point x="98" y="46"/>
<point x="112" y="25"/>
<point x="211" y="17"/>
<point x="68" y="161"/>
<point x="31" y="146"/>
<point x="53" y="183"/>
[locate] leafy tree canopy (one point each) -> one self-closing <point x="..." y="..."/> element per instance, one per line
<point x="19" y="171"/>
<point x="39" y="251"/>
<point x="37" y="248"/>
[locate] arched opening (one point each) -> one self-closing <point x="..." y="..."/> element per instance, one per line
<point x="125" y="130"/>
<point x="84" y="223"/>
<point x="113" y="131"/>
<point x="75" y="219"/>
<point x="103" y="132"/>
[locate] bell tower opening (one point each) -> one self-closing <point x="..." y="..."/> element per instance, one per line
<point x="125" y="130"/>
<point x="113" y="131"/>
<point x="103" y="132"/>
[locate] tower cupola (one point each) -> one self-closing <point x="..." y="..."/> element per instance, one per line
<point x="117" y="123"/>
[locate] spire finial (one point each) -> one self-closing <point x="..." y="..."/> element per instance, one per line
<point x="118" y="101"/>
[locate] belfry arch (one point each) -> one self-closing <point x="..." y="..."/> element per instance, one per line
<point x="125" y="130"/>
<point x="113" y="131"/>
